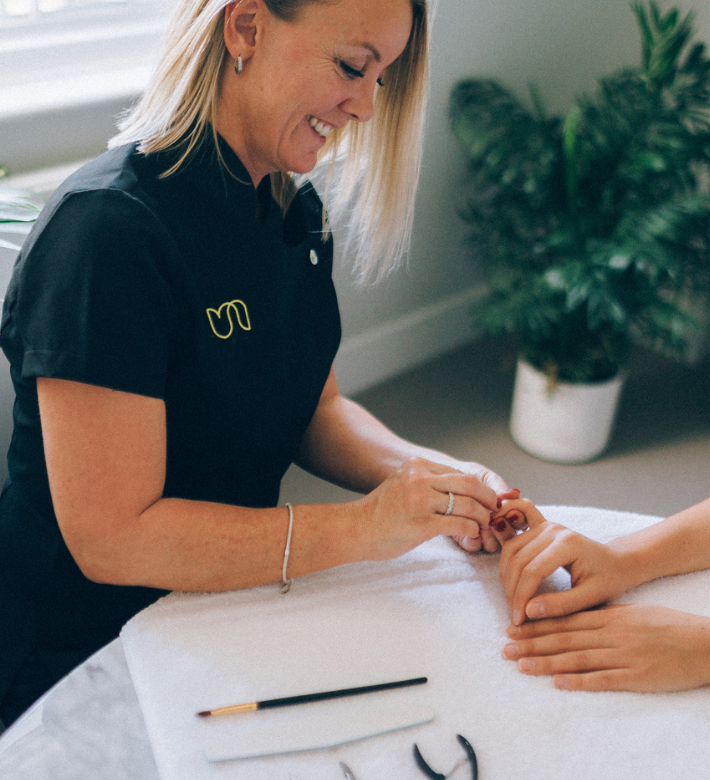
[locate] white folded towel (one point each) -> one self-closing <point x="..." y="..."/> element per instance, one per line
<point x="435" y="612"/>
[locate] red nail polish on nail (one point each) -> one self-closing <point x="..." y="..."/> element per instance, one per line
<point x="499" y="503"/>
<point x="500" y="525"/>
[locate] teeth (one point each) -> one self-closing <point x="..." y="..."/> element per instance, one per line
<point x="321" y="128"/>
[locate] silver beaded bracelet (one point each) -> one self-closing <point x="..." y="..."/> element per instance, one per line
<point x="285" y="581"/>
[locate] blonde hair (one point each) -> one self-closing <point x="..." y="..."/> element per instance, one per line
<point x="373" y="167"/>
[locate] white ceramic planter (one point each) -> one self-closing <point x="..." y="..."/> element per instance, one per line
<point x="571" y="425"/>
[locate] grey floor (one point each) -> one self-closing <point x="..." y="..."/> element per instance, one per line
<point x="658" y="461"/>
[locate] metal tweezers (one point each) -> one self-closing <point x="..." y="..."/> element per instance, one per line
<point x="470" y="757"/>
<point x="426" y="769"/>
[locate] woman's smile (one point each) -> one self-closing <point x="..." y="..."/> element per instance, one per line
<point x="320" y="127"/>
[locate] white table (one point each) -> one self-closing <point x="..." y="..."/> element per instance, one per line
<point x="88" y="727"/>
<point x="91" y="726"/>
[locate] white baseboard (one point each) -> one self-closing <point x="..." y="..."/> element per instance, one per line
<point x="390" y="349"/>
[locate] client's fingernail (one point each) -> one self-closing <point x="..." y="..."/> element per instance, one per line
<point x="510" y="651"/>
<point x="536" y="610"/>
<point x="526" y="664"/>
<point x="499" y="503"/>
<point x="500" y="525"/>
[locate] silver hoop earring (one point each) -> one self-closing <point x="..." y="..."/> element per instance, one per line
<point x="238" y="65"/>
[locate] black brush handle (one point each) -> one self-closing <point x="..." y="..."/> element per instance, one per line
<point x="307" y="697"/>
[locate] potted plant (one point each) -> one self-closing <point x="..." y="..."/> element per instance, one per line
<point x="592" y="229"/>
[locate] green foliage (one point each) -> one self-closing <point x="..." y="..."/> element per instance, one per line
<point x="591" y="227"/>
<point x="16" y="206"/>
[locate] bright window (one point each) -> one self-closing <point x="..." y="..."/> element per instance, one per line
<point x="45" y="44"/>
<point x="33" y="9"/>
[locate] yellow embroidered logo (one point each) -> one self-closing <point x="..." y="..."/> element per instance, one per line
<point x="230" y="308"/>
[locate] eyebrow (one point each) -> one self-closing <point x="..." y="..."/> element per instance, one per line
<point x="371" y="48"/>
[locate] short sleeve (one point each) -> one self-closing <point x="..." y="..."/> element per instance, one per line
<point x="93" y="301"/>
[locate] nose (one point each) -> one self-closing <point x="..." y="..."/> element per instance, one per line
<point x="361" y="103"/>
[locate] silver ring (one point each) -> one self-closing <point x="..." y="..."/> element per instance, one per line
<point x="450" y="507"/>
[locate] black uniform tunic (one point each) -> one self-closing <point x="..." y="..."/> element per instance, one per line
<point x="192" y="289"/>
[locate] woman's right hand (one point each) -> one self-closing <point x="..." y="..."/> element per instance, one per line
<point x="597" y="571"/>
<point x="409" y="508"/>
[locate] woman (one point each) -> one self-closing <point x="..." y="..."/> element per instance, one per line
<point x="630" y="647"/>
<point x="171" y="327"/>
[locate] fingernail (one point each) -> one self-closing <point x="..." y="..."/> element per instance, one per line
<point x="526" y="664"/>
<point x="518" y="617"/>
<point x="516" y="490"/>
<point x="512" y="631"/>
<point x="562" y="683"/>
<point x="536" y="610"/>
<point x="510" y="651"/>
<point x="499" y="503"/>
<point x="500" y="525"/>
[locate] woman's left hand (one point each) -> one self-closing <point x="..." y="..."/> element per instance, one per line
<point x="626" y="647"/>
<point x="346" y="445"/>
<point x="490" y="538"/>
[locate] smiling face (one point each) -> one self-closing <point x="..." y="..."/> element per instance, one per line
<point x="302" y="78"/>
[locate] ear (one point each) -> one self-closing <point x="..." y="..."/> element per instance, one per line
<point x="242" y="26"/>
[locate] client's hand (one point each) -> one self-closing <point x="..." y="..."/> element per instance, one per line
<point x="627" y="647"/>
<point x="527" y="559"/>
<point x="492" y="534"/>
